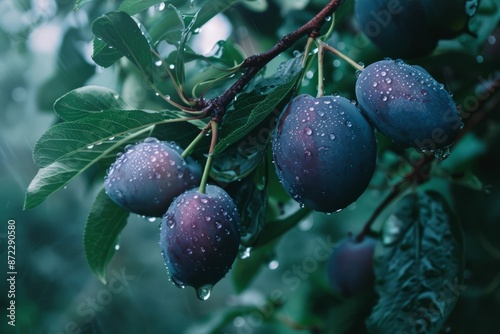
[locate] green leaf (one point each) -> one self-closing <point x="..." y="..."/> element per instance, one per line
<point x="419" y="267"/>
<point x="119" y="31"/>
<point x="210" y="9"/>
<point x="245" y="270"/>
<point x="103" y="55"/>
<point x="169" y="26"/>
<point x="68" y="149"/>
<point x="216" y="321"/>
<point x="80" y="3"/>
<point x="132" y="7"/>
<point x="250" y="109"/>
<point x="250" y="196"/>
<point x="105" y="222"/>
<point x="274" y="229"/>
<point x="86" y="100"/>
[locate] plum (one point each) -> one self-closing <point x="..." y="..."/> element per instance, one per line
<point x="350" y="266"/>
<point x="400" y="29"/>
<point x="412" y="28"/>
<point x="408" y="105"/>
<point x="450" y="18"/>
<point x="149" y="175"/>
<point x="324" y="151"/>
<point x="200" y="238"/>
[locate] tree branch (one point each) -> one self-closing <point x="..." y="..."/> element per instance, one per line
<point x="253" y="64"/>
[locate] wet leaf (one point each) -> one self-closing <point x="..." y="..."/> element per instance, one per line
<point x="419" y="267"/>
<point x="120" y="32"/>
<point x="86" y="100"/>
<point x="105" y="222"/>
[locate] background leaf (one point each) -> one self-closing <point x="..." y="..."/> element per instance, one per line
<point x="245" y="270"/>
<point x="80" y="3"/>
<point x="104" y="223"/>
<point x="85" y="142"/>
<point x="168" y="27"/>
<point x="103" y="55"/>
<point x="119" y="31"/>
<point x="419" y="267"/>
<point x="132" y="7"/>
<point x="83" y="101"/>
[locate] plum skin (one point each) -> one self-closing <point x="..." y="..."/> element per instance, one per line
<point x="408" y="105"/>
<point x="401" y="29"/>
<point x="149" y="175"/>
<point x="200" y="237"/>
<point x="350" y="266"/>
<point x="324" y="152"/>
<point x="412" y="28"/>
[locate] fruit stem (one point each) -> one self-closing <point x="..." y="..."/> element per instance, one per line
<point x="195" y="142"/>
<point x="343" y="56"/>
<point x="306" y="51"/>
<point x="330" y="28"/>
<point x="208" y="164"/>
<point x="321" y="85"/>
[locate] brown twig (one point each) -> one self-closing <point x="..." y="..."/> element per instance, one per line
<point x="253" y="64"/>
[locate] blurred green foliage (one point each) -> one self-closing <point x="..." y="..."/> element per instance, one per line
<point x="46" y="48"/>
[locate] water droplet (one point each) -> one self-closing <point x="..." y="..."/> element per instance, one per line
<point x="375" y="84"/>
<point x="152" y="158"/>
<point x="203" y="292"/>
<point x="245" y="253"/>
<point x="328" y="18"/>
<point x="208" y="218"/>
<point x="218" y="225"/>
<point x="151" y="219"/>
<point x="307" y="153"/>
<point x="202" y="249"/>
<point x="348" y="124"/>
<point x="170" y="223"/>
<point x="383" y="73"/>
<point x="178" y="283"/>
<point x="388" y="80"/>
<point x="218" y="238"/>
<point x="442" y="154"/>
<point x="117" y="247"/>
<point x="91" y="146"/>
<point x="332" y="136"/>
<point x="384" y="98"/>
<point x="158" y="175"/>
<point x="204" y="200"/>
<point x="273" y="264"/>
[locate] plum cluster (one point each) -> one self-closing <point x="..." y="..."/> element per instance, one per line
<point x="324" y="151"/>
<point x="412" y="28"/>
<point x="324" y="148"/>
<point x="199" y="232"/>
